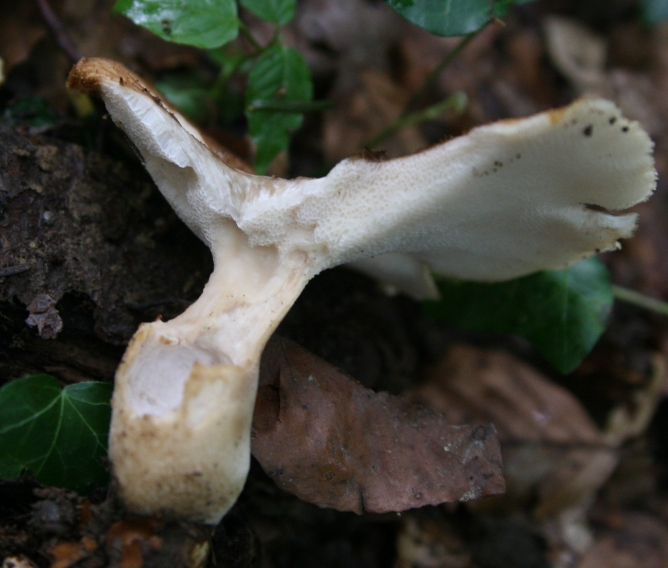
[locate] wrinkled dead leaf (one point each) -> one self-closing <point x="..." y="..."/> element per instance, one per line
<point x="328" y="440"/>
<point x="580" y="55"/>
<point x="640" y="541"/>
<point x="552" y="450"/>
<point x="20" y="29"/>
<point x="577" y="52"/>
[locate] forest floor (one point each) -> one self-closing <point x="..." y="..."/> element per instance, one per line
<point x="585" y="455"/>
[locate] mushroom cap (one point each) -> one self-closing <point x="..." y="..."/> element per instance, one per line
<point x="502" y="201"/>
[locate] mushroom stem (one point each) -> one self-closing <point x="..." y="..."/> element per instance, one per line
<point x="185" y="391"/>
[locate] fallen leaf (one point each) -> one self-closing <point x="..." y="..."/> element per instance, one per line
<point x="641" y="540"/>
<point x="66" y="554"/>
<point x="580" y="55"/>
<point x="329" y="441"/>
<point x="362" y="113"/>
<point x="552" y="450"/>
<point x="125" y="539"/>
<point x="20" y="29"/>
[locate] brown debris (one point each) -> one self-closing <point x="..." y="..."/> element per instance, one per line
<point x="17" y="562"/>
<point x="20" y="29"/>
<point x="552" y="450"/>
<point x="430" y="543"/>
<point x="44" y="315"/>
<point x="326" y="439"/>
<point x="79" y="231"/>
<point x="637" y="540"/>
<point x="363" y="112"/>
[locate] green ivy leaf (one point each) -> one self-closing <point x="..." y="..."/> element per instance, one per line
<point x="10" y="468"/>
<point x="60" y="435"/>
<point x="202" y="23"/>
<point x="562" y="312"/>
<point x="654" y="11"/>
<point x="187" y="93"/>
<point x="280" y="76"/>
<point x="278" y="12"/>
<point x="451" y="17"/>
<point x="33" y="111"/>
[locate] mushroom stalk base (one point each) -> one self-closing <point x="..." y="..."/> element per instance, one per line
<point x="185" y="392"/>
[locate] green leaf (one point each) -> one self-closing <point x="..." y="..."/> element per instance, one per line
<point x="451" y="17"/>
<point x="278" y="12"/>
<point x="10" y="469"/>
<point x="280" y="75"/>
<point x="33" y="111"/>
<point x="563" y="313"/>
<point x="202" y="23"/>
<point x="654" y="11"/>
<point x="60" y="435"/>
<point x="187" y="93"/>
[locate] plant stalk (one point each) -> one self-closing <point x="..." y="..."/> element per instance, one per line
<point x="640" y="300"/>
<point x="456" y="102"/>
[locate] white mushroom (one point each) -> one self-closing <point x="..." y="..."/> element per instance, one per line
<point x="503" y="201"/>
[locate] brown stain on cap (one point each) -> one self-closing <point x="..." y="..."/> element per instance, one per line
<point x="88" y="75"/>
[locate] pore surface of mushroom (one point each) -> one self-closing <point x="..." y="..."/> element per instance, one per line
<point x="503" y="201"/>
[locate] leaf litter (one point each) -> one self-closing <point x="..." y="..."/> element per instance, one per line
<point x="323" y="437"/>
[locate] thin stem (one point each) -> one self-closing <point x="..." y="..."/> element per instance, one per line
<point x="640" y="300"/>
<point x="456" y="101"/>
<point x="58" y="31"/>
<point x="433" y="76"/>
<point x="289" y="106"/>
<point x="243" y="28"/>
<point x="226" y="72"/>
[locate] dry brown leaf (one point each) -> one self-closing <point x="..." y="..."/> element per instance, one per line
<point x="640" y="542"/>
<point x="328" y="440"/>
<point x="67" y="554"/>
<point x="94" y="31"/>
<point x="20" y="29"/>
<point x="551" y="449"/>
<point x="580" y="55"/>
<point x="340" y="38"/>
<point x="360" y="114"/>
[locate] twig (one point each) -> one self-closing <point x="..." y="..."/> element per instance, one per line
<point x="290" y="106"/>
<point x="243" y="28"/>
<point x="16" y="269"/>
<point x="456" y="101"/>
<point x="58" y="31"/>
<point x="640" y="300"/>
